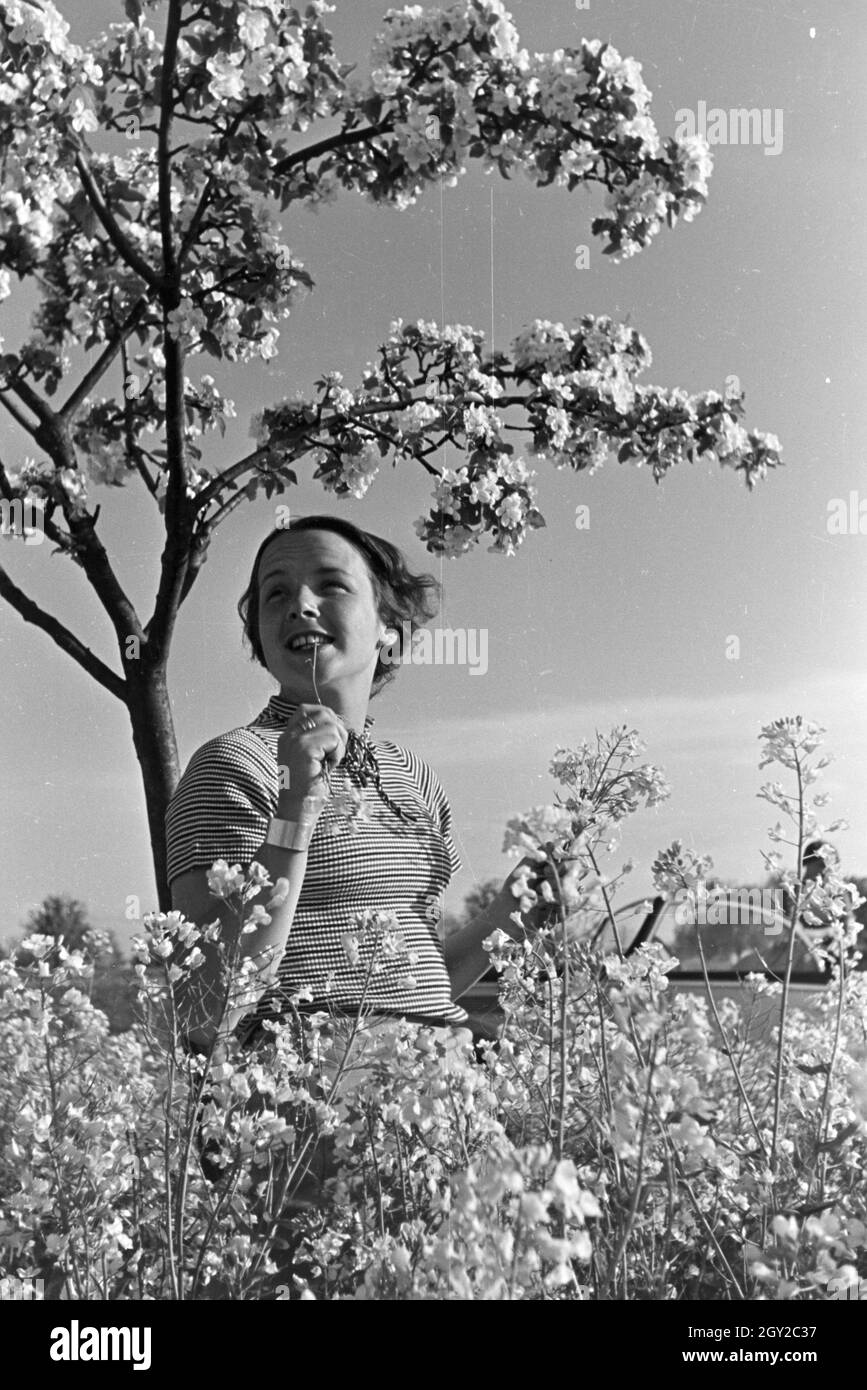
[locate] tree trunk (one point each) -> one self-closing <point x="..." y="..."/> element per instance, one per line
<point x="153" y="734"/>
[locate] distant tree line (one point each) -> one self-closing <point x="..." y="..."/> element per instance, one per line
<point x="64" y="917"/>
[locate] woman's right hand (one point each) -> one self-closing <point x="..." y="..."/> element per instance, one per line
<point x="303" y="755"/>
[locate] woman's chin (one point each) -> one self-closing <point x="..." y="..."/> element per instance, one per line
<point x="296" y="675"/>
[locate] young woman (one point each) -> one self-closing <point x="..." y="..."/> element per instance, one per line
<point x="343" y="823"/>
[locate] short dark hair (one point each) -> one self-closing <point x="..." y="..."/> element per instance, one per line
<point x="401" y="596"/>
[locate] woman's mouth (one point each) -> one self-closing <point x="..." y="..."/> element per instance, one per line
<point x="308" y="641"/>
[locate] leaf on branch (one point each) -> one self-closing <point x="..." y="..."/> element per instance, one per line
<point x="123" y="189"/>
<point x="839" y="1138"/>
<point x="210" y="343"/>
<point x="82" y="213"/>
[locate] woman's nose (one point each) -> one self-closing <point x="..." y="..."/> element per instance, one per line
<point x="302" y="604"/>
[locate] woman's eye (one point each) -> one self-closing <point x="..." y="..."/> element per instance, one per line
<point x="275" y="593"/>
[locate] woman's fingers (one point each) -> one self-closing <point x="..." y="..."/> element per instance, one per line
<point x="330" y="744"/>
<point x="321" y="733"/>
<point x="535" y="873"/>
<point x="535" y="889"/>
<point x="546" y="877"/>
<point x="307" y="717"/>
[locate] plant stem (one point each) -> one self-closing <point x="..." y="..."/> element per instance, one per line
<point x="608" y="908"/>
<point x="784" y="1002"/>
<point x="727" y="1046"/>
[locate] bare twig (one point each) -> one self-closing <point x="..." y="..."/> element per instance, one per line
<point x="66" y="640"/>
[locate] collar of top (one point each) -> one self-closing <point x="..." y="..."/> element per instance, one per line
<point x="282" y="709"/>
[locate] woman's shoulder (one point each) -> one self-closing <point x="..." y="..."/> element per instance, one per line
<point x="238" y="750"/>
<point x="405" y="760"/>
<point x="387" y="751"/>
<point x="222" y="802"/>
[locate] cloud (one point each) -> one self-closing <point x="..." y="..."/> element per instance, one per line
<point x="715" y="727"/>
<point x="495" y="765"/>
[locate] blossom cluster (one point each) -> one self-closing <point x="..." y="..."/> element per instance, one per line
<point x="676" y="868"/>
<point x="445" y="87"/>
<point x="432" y="386"/>
<point x="456" y="82"/>
<point x="47" y="487"/>
<point x="376" y="944"/>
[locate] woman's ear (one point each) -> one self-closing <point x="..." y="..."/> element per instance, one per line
<point x="388" y="636"/>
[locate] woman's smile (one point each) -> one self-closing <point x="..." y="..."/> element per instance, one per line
<point x="307" y="641"/>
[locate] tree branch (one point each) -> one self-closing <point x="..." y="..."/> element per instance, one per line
<point x="90" y="553"/>
<point x="66" y="640"/>
<point x="201" y="208"/>
<point x="302" y="434"/>
<point x="134" y="450"/>
<point x="331" y="142"/>
<point x="93" y="558"/>
<point x="355" y="137"/>
<point x="194" y="569"/>
<point x="103" y="362"/>
<point x="179" y="509"/>
<point x="41" y="409"/>
<point x="180" y="563"/>
<point x="178" y="514"/>
<point x="226" y="509"/>
<point x="206" y="496"/>
<point x="164" y="165"/>
<point x="124" y="248"/>
<point x="16" y="414"/>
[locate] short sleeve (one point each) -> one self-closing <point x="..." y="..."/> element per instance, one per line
<point x="438" y="803"/>
<point x="444" y="815"/>
<point x="427" y="784"/>
<point x="222" y="804"/>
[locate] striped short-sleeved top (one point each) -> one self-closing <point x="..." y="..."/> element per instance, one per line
<point x="374" y="862"/>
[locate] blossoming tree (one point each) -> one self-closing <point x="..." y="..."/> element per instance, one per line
<point x="171" y="251"/>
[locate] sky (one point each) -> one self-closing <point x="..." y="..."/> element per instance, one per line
<point x="627" y="621"/>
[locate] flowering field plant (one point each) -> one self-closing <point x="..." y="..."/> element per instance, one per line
<point x="621" y="1140"/>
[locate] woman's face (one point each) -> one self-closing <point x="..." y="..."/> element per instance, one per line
<point x="315" y="582"/>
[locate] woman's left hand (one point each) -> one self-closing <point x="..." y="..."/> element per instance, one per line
<point x="533" y="889"/>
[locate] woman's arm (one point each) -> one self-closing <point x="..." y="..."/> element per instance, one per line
<point x="465" y="957"/>
<point x="200" y="997"/>
<point x="314" y="738"/>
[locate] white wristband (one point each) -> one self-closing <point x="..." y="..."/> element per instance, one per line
<point x="289" y="834"/>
